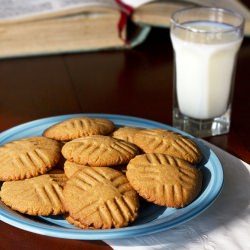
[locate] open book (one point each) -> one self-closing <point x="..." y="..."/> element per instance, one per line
<point x="38" y="27"/>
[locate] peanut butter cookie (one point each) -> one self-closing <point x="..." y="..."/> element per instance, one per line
<point x="79" y="127"/>
<point x="164" y="180"/>
<point x="28" y="157"/>
<point x="101" y="198"/>
<point x="41" y="195"/>
<point x="167" y="142"/>
<point x="99" y="150"/>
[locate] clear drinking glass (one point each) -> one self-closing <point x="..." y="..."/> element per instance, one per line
<point x="206" y="42"/>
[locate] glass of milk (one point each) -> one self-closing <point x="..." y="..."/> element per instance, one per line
<point x="205" y="42"/>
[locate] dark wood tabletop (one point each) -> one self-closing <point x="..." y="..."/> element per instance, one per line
<point x="135" y="82"/>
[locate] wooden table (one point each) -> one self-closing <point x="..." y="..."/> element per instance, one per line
<point x="136" y="82"/>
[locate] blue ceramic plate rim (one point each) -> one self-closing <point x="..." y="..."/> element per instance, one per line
<point x="171" y="218"/>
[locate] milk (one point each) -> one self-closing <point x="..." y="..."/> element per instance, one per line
<point x="204" y="71"/>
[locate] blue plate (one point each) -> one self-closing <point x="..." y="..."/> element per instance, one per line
<point x="152" y="218"/>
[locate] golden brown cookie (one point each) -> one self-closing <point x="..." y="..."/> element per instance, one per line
<point x="101" y="198"/>
<point x="41" y="195"/>
<point x="71" y="167"/>
<point x="28" y="157"/>
<point x="164" y="180"/>
<point x="79" y="127"/>
<point x="167" y="142"/>
<point x="126" y="133"/>
<point x="99" y="150"/>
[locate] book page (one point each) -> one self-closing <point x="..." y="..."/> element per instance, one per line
<point x="16" y="9"/>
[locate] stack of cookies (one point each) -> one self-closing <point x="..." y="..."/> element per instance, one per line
<point x="96" y="173"/>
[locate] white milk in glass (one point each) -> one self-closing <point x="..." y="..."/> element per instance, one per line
<point x="204" y="71"/>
